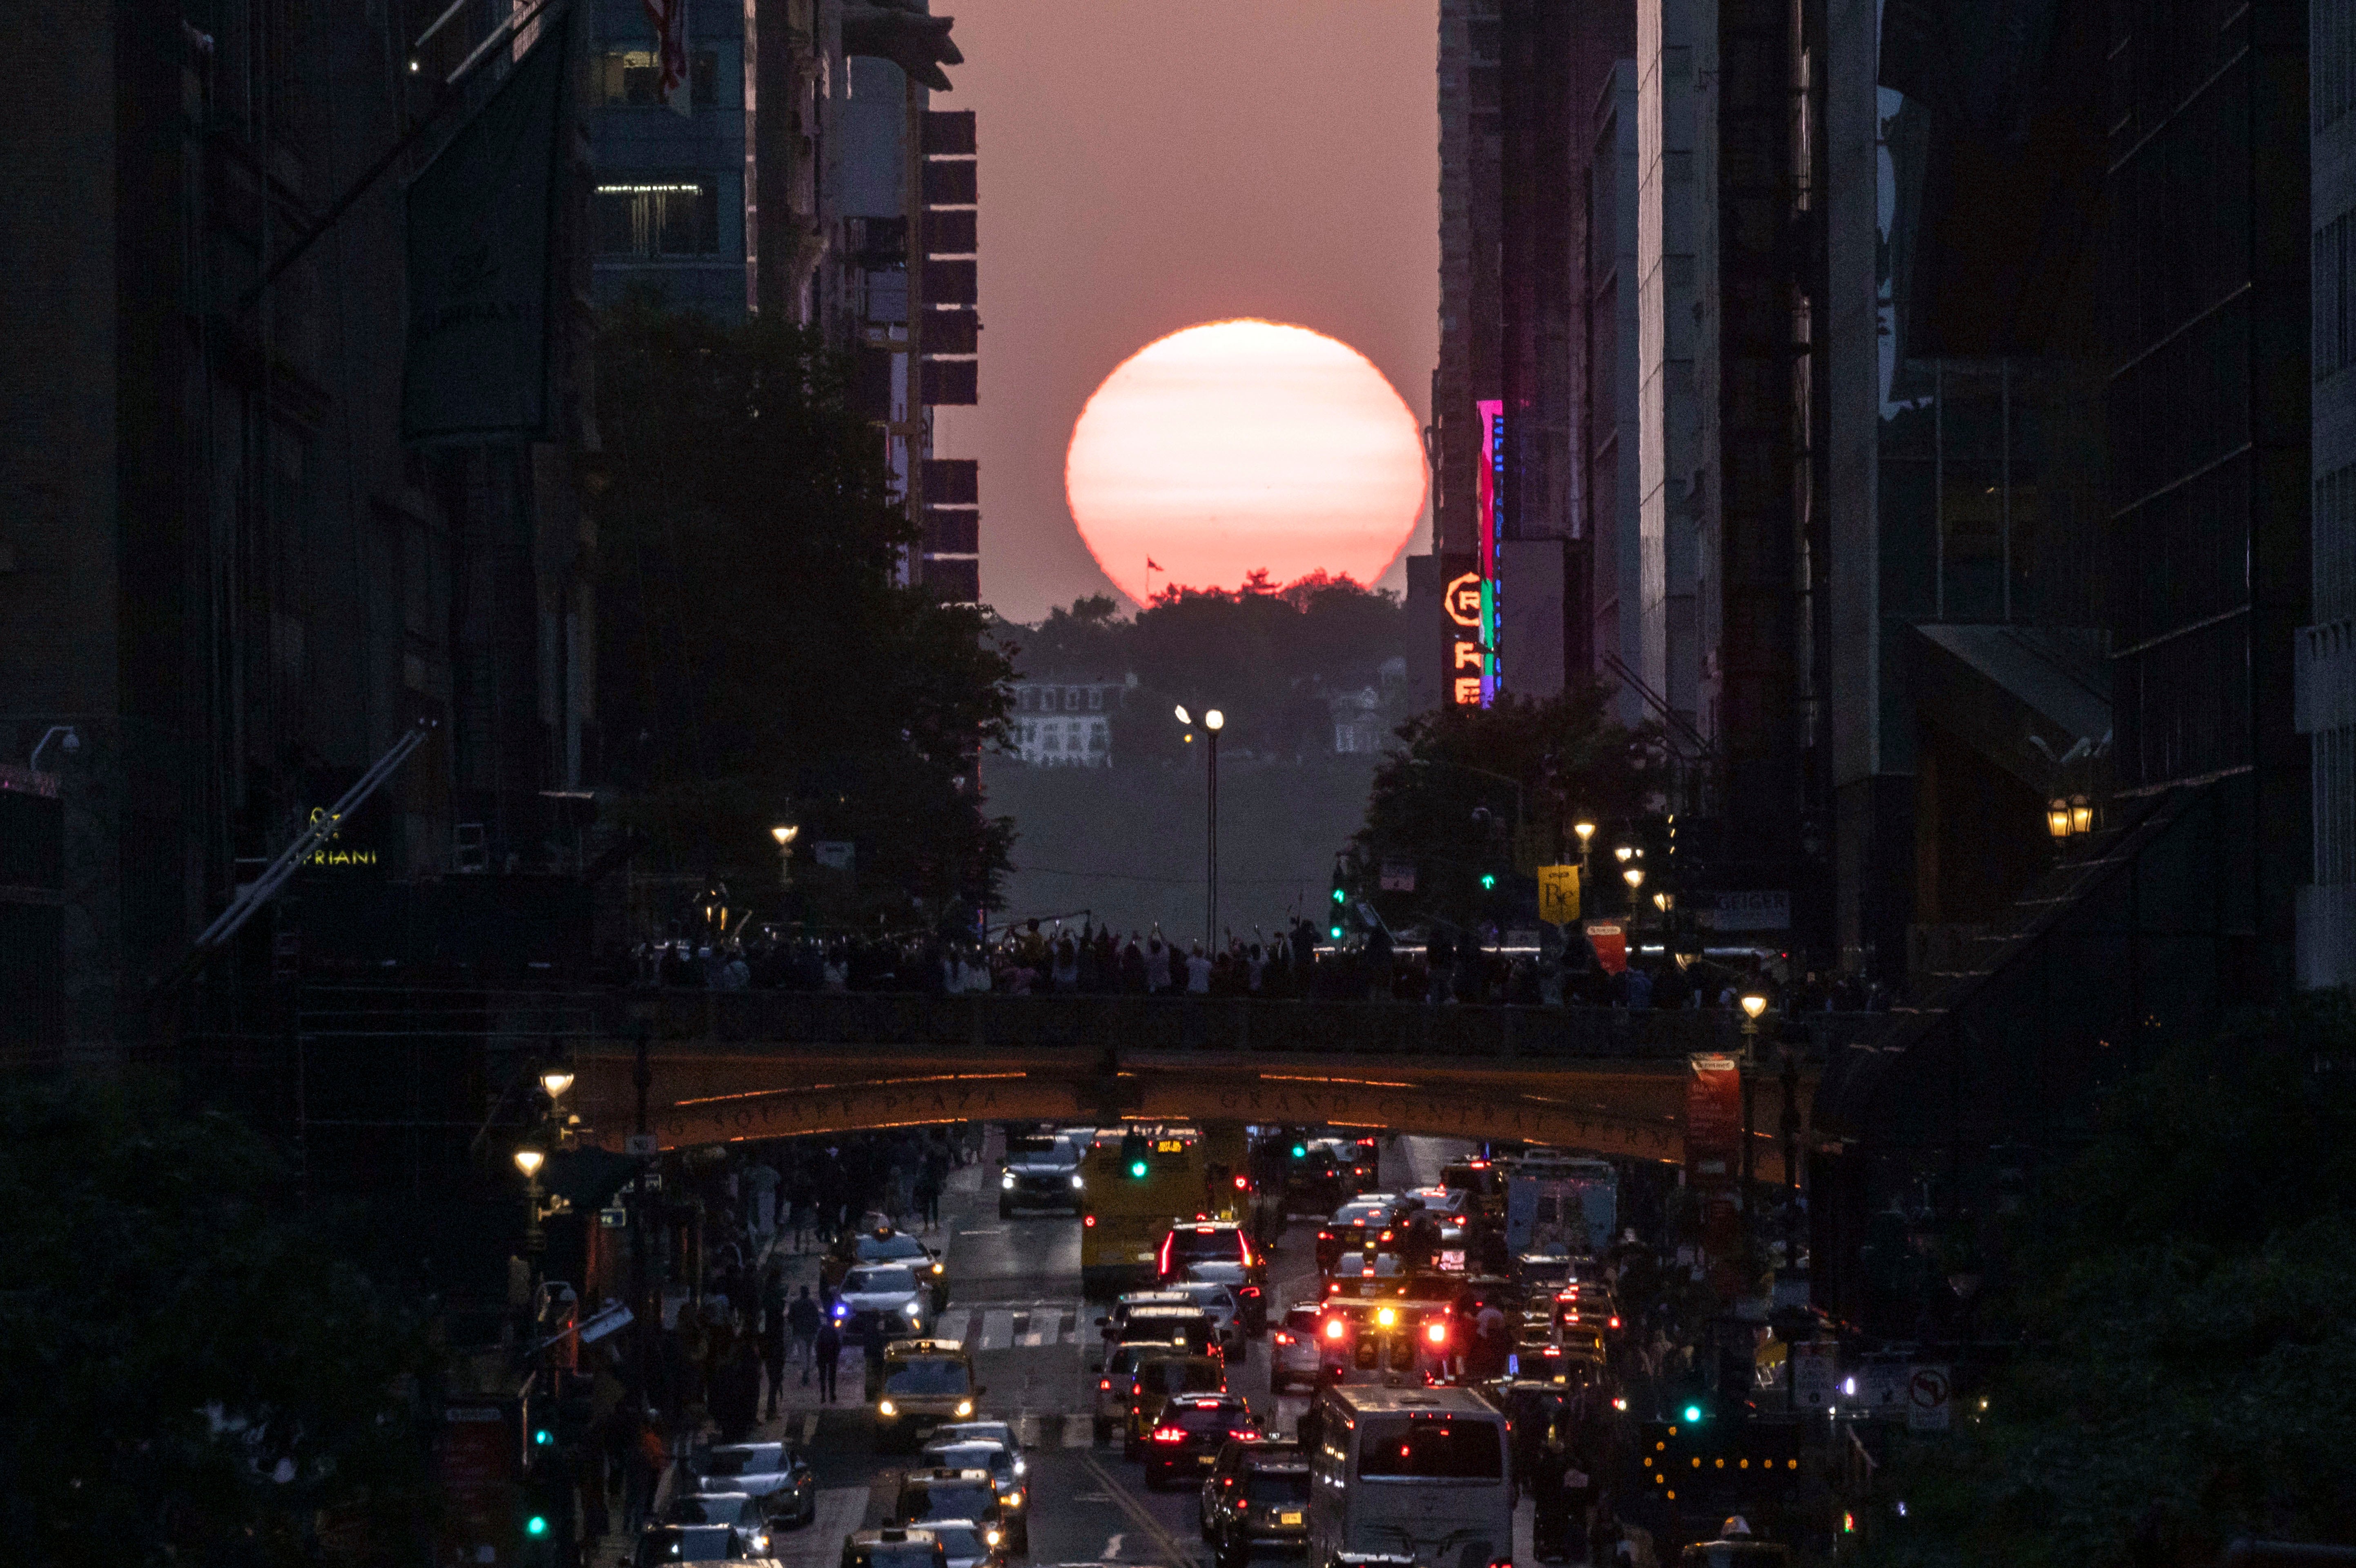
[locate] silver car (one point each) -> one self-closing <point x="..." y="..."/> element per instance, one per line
<point x="1218" y="1300"/>
<point x="1014" y="1493"/>
<point x="893" y="1293"/>
<point x="1002" y="1432"/>
<point x="1293" y="1348"/>
<point x="774" y="1473"/>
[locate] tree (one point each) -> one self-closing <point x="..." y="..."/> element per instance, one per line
<point x="757" y="654"/>
<point x="193" y="1375"/>
<point x="1446" y="802"/>
<point x="2182" y="1296"/>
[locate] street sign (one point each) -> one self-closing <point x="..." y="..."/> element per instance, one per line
<point x="837" y="854"/>
<point x="1611" y="945"/>
<point x="1557" y="894"/>
<point x="1816" y="1376"/>
<point x="1398" y="876"/>
<point x="1881" y="1388"/>
<point x="1929" y="1393"/>
<point x="640" y="1146"/>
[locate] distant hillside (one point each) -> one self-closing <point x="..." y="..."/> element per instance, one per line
<point x="1128" y="842"/>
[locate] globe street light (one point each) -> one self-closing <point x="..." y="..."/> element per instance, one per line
<point x="784" y="833"/>
<point x="1635" y="877"/>
<point x="1753" y="1003"/>
<point x="528" y="1160"/>
<point x="1212" y="722"/>
<point x="555" y="1081"/>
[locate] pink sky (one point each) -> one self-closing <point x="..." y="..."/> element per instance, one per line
<point x="1148" y="165"/>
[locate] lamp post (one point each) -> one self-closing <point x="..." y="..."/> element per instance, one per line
<point x="784" y="833"/>
<point x="528" y="1160"/>
<point x="1585" y="829"/>
<point x="1213" y="721"/>
<point x="1635" y="877"/>
<point x="1753" y="1003"/>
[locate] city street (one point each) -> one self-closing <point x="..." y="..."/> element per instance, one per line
<point x="1014" y="1297"/>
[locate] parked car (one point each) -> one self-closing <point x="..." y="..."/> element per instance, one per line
<point x="777" y="1473"/>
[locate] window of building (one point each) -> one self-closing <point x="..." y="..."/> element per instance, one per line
<point x="1072" y="700"/>
<point x="1096" y="699"/>
<point x="624" y="76"/>
<point x="657" y="217"/>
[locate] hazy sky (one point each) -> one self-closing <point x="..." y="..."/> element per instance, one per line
<point x="1147" y="164"/>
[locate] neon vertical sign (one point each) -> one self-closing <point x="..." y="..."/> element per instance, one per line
<point x="1492" y="492"/>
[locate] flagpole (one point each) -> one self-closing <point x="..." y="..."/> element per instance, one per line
<point x="516" y="21"/>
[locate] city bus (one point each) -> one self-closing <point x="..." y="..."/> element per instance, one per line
<point x="1187" y="1171"/>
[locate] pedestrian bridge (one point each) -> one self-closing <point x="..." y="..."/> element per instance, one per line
<point x="729" y="1066"/>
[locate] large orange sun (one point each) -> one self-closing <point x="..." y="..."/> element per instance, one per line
<point x="1240" y="446"/>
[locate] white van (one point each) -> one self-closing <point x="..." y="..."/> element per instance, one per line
<point x="1414" y="1473"/>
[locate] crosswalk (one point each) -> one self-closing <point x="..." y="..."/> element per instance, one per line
<point x="1012" y="1324"/>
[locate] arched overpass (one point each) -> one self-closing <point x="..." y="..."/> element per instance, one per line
<point x="742" y="1065"/>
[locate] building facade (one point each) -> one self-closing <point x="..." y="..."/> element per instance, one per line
<point x="2326" y="647"/>
<point x="1066" y="724"/>
<point x="802" y="172"/>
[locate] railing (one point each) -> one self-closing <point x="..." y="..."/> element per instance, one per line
<point x="1221" y="1024"/>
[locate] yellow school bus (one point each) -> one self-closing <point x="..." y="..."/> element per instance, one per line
<point x="1137" y="1179"/>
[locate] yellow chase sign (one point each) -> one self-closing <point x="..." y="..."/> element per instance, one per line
<point x="1557" y="894"/>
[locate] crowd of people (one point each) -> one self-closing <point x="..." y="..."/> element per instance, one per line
<point x="1037" y="957"/>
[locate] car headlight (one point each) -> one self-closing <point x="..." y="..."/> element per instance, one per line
<point x="1021" y="1466"/>
<point x="761" y="1543"/>
<point x="886" y="1407"/>
<point x="991" y="1537"/>
<point x="912" y="1310"/>
<point x="1077" y="1184"/>
<point x="965" y="1408"/>
<point x="1014" y="1499"/>
<point x="1007" y="1181"/>
<point x="937" y="1268"/>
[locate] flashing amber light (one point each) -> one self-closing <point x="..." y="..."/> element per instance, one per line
<point x="1385" y="1316"/>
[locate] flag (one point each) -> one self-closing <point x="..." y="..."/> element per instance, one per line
<point x="482" y="222"/>
<point x="1152" y="565"/>
<point x="670" y="18"/>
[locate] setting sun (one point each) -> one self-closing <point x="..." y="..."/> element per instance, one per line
<point x="1240" y="446"/>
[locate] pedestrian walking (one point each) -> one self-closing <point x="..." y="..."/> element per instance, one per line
<point x="828" y="1349"/>
<point x="774" y="1325"/>
<point x="801" y="1321"/>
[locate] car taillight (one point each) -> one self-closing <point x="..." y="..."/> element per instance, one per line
<point x="1243" y="1184"/>
<point x="1437" y="1333"/>
<point x="1334" y="1326"/>
<point x="1169" y="1434"/>
<point x="1282" y="1337"/>
<point x="1103" y="1383"/>
<point x="1612" y="1322"/>
<point x="1325" y="1235"/>
<point x="1162" y="1265"/>
<point x="1088" y="1222"/>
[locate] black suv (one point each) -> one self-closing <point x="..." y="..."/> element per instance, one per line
<point x="1186" y="1436"/>
<point x="1256" y="1495"/>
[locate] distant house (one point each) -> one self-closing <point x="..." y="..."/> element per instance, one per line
<point x="1066" y="723"/>
<point x="1359" y="725"/>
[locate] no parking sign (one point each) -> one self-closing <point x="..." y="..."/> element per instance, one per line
<point x="1928" y="1392"/>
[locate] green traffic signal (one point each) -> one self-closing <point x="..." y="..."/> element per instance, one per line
<point x="541" y="1437"/>
<point x="537" y="1525"/>
<point x="1334" y="932"/>
<point x="1137" y="1169"/>
<point x="1693" y="1413"/>
<point x="1488" y="880"/>
<point x="1301" y="1151"/>
<point x="1340" y="897"/>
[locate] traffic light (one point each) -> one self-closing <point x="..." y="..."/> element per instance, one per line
<point x="536" y="1525"/>
<point x="1693" y="1413"/>
<point x="1488" y="881"/>
<point x="1336" y="917"/>
<point x="1133" y="1153"/>
<point x="1301" y="1151"/>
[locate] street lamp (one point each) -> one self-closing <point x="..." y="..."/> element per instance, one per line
<point x="555" y="1081"/>
<point x="528" y="1160"/>
<point x="1753" y="1003"/>
<point x="2082" y="815"/>
<point x="1213" y="721"/>
<point x="2057" y="818"/>
<point x="784" y="833"/>
<point x="1635" y="877"/>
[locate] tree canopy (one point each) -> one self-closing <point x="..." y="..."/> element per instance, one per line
<point x="757" y="655"/>
<point x="1474" y="791"/>
<point x="195" y="1376"/>
<point x="2183" y="1295"/>
<point x="1267" y="657"/>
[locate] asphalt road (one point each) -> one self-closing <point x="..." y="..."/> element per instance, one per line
<point x="1014" y="1295"/>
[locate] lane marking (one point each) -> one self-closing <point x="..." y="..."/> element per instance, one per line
<point x="1111" y="1548"/>
<point x="997" y="1330"/>
<point x="1179" y="1555"/>
<point x="809" y="1427"/>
